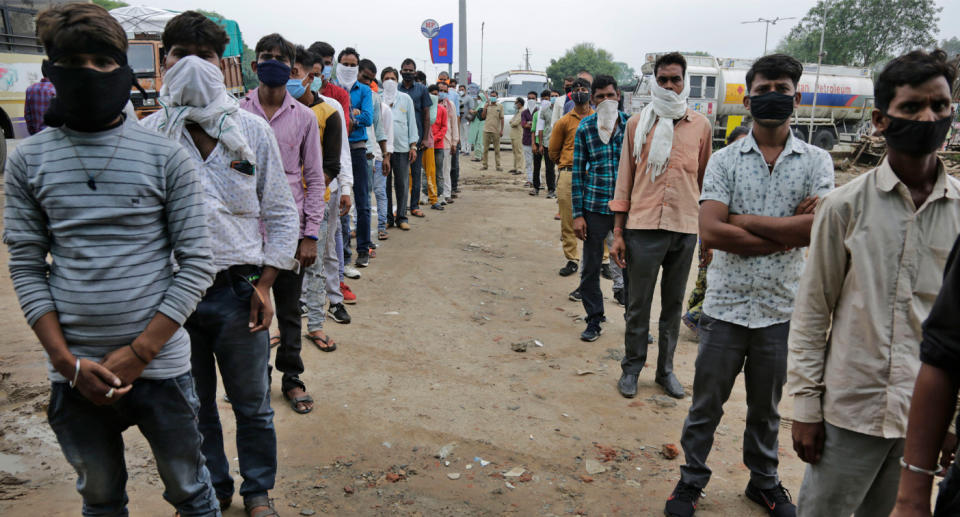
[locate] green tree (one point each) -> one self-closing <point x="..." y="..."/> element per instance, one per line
<point x="582" y="56"/>
<point x="110" y="4"/>
<point x="951" y="46"/>
<point x="863" y="32"/>
<point x="625" y="73"/>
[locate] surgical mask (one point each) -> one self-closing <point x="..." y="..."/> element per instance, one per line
<point x="273" y="73"/>
<point x="493" y="98"/>
<point x="296" y="88"/>
<point x="553" y="100"/>
<point x="390" y="90"/>
<point x="316" y="84"/>
<point x="327" y="72"/>
<point x="87" y="99"/>
<point x="408" y="77"/>
<point x="580" y="97"/>
<point x="347" y="75"/>
<point x="916" y="137"/>
<point x="771" y="109"/>
<point x="545" y="104"/>
<point x="443" y="96"/>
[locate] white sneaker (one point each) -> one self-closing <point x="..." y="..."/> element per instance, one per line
<point x="351" y="272"/>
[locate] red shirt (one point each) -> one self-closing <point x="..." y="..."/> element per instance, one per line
<point x="335" y="92"/>
<point x="439" y="127"/>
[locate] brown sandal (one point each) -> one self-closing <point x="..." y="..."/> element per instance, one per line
<point x="416" y="212"/>
<point x="328" y="345"/>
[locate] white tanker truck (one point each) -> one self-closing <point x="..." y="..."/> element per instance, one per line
<point x="717" y="87"/>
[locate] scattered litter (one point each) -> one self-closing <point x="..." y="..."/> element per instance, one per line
<point x="585" y="372"/>
<point x="519" y="346"/>
<point x="636" y="403"/>
<point x="663" y="401"/>
<point x="634" y="484"/>
<point x="481" y="461"/>
<point x="669" y="451"/>
<point x="595" y="467"/>
<point x="586" y="479"/>
<point x="307" y="511"/>
<point x="387" y="444"/>
<point x="393" y="477"/>
<point x="531" y="437"/>
<point x="537" y="342"/>
<point x="454" y="475"/>
<point x="446" y="463"/>
<point x="513" y="408"/>
<point x="445" y="450"/>
<point x="639" y="469"/>
<point x="511" y="487"/>
<point x="515" y="472"/>
<point x="391" y="313"/>
<point x="348" y="489"/>
<point x="566" y="415"/>
<point x="468" y="467"/>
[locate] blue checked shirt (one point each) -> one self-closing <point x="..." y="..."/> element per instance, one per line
<point x="595" y="165"/>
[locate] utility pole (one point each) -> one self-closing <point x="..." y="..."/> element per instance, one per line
<point x="816" y="83"/>
<point x="482" y="26"/>
<point x="526" y="58"/>
<point x="463" y="42"/>
<point x="766" y="32"/>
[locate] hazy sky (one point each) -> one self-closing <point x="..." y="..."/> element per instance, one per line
<point x="387" y="33"/>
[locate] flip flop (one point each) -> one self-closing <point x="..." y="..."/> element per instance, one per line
<point x="295" y="401"/>
<point x="416" y="212"/>
<point x="383" y="235"/>
<point x="274" y="341"/>
<point x="328" y="345"/>
<point x="248" y="507"/>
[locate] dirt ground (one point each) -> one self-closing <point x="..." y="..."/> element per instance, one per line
<point x="426" y="363"/>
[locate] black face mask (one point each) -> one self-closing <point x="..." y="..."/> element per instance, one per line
<point x="580" y="97"/>
<point x="916" y="137"/>
<point x="771" y="106"/>
<point x="86" y="100"/>
<point x="408" y="77"/>
<point x="567" y="89"/>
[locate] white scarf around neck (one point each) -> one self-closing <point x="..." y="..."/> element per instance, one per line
<point x="193" y="91"/>
<point x="668" y="106"/>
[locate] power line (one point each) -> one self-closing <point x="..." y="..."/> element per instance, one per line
<point x="769" y="22"/>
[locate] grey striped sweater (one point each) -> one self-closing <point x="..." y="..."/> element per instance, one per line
<point x="111" y="247"/>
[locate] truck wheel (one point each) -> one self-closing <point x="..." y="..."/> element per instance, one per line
<point x="824" y="139"/>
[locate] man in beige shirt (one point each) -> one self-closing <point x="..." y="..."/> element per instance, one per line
<point x="877" y="253"/>
<point x="492" y="115"/>
<point x="516" y="138"/>
<point x="656" y="202"/>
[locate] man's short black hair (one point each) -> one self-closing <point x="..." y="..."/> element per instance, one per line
<point x="277" y="42"/>
<point x="348" y="51"/>
<point x="453" y="81"/>
<point x="570" y="79"/>
<point x="305" y="58"/>
<point x="193" y="28"/>
<point x="913" y="68"/>
<point x="366" y="64"/>
<point x="774" y="67"/>
<point x="736" y="133"/>
<point x="580" y="82"/>
<point x="409" y="61"/>
<point x="389" y="70"/>
<point x="531" y="92"/>
<point x="602" y="81"/>
<point x="520" y="100"/>
<point x="670" y="58"/>
<point x="433" y="88"/>
<point x="322" y="49"/>
<point x="422" y="77"/>
<point x="545" y="94"/>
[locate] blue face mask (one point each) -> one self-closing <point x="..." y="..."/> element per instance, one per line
<point x="316" y="84"/>
<point x="296" y="88"/>
<point x="327" y="72"/>
<point x="443" y="96"/>
<point x="553" y="100"/>
<point x="273" y="73"/>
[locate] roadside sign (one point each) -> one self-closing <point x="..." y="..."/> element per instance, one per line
<point x="429" y="28"/>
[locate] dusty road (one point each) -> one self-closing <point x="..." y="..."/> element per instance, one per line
<point x="427" y="362"/>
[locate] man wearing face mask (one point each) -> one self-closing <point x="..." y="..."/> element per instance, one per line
<point x="492" y="115"/>
<point x="451" y="139"/>
<point x="542" y="129"/>
<point x="526" y="122"/>
<point x="877" y="255"/>
<point x="379" y="146"/>
<point x="421" y="102"/>
<point x="661" y="170"/>
<point x="111" y="202"/>
<point x="360" y="117"/>
<point x="756" y="214"/>
<point x="254" y="221"/>
<point x="405" y="140"/>
<point x="324" y="71"/>
<point x="596" y="155"/>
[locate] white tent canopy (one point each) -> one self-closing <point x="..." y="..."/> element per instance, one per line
<point x="136" y="19"/>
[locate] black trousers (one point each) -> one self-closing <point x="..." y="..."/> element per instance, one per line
<point x="286" y="293"/>
<point x="551" y="173"/>
<point x="598" y="226"/>
<point x="455" y="169"/>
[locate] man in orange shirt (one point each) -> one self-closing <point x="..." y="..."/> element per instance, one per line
<point x="656" y="206"/>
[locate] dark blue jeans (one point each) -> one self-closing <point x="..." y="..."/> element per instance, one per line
<point x="92" y="441"/>
<point x="416" y="179"/>
<point x="220" y="336"/>
<point x="398" y="182"/>
<point x="361" y="197"/>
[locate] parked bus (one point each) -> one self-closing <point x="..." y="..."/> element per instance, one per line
<point x="518" y="83"/>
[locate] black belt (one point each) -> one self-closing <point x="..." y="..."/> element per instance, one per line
<point x="244" y="271"/>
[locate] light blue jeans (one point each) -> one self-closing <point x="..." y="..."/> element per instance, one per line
<point x="380" y="191"/>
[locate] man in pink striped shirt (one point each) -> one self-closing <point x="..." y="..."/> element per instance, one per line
<point x="295" y="127"/>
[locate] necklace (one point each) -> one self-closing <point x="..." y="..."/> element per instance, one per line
<point x="91" y="179"/>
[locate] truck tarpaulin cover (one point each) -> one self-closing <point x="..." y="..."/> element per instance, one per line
<point x="150" y="20"/>
<point x="441" y="45"/>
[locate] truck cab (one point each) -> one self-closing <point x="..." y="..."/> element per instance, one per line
<point x="145" y="56"/>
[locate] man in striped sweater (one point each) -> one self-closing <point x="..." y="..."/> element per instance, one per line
<point x="110" y="202"/>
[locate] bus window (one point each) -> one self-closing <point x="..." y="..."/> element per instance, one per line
<point x="696" y="86"/>
<point x="141" y="59"/>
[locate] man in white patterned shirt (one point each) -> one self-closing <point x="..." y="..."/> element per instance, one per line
<point x="755" y="212"/>
<point x="245" y="188"/>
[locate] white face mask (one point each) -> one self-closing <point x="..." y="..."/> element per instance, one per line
<point x="192" y="81"/>
<point x="531" y="105"/>
<point x="390" y="90"/>
<point x="347" y="75"/>
<point x="606" y="119"/>
<point x="545" y="104"/>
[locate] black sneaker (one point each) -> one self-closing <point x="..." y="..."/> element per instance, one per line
<point x="618" y="297"/>
<point x="575" y="296"/>
<point x="551" y="195"/>
<point x="776" y="500"/>
<point x="436" y="206"/>
<point x="605" y="271"/>
<point x="363" y="260"/>
<point x="534" y="192"/>
<point x="592" y="333"/>
<point x="339" y="313"/>
<point x="569" y="269"/>
<point x="683" y="501"/>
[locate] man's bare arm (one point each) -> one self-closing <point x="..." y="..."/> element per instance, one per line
<point x="716" y="232"/>
<point x="791" y="232"/>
